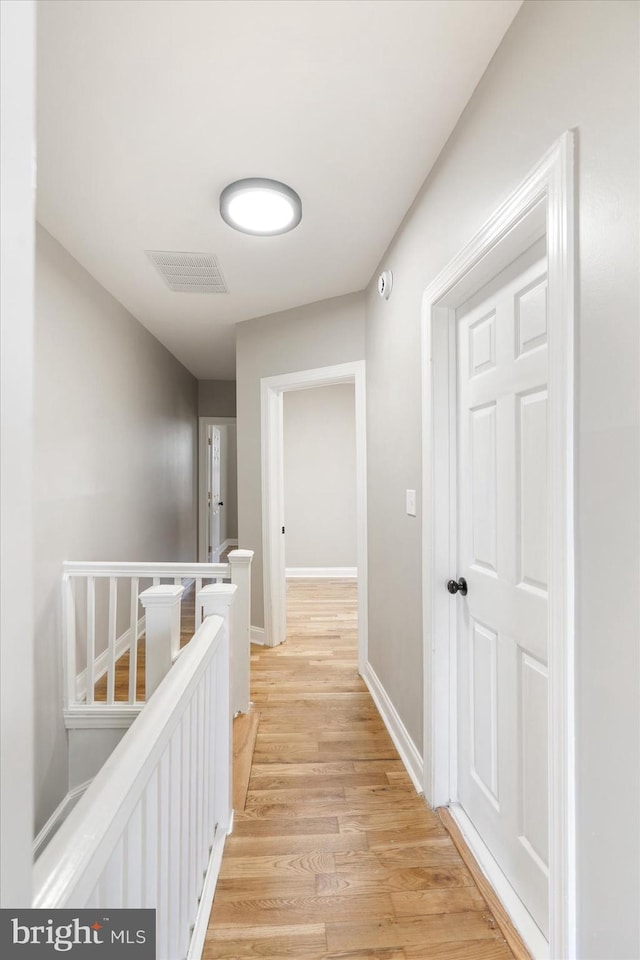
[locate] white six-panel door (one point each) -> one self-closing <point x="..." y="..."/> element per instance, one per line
<point x="503" y="545"/>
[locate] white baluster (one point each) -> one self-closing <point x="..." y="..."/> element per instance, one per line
<point x="174" y="877"/>
<point x="240" y="630"/>
<point x="150" y="816"/>
<point x="111" y="640"/>
<point x="198" y="609"/>
<point x="194" y="879"/>
<point x="112" y="880"/>
<point x="133" y="858"/>
<point x="164" y="834"/>
<point x="203" y="847"/>
<point x="91" y="636"/>
<point x="133" y="641"/>
<point x="69" y="619"/>
<point x="185" y="826"/>
<point x="162" y="627"/>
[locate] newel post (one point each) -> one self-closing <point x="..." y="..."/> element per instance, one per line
<point x="219" y="599"/>
<point x="162" y="629"/>
<point x="240" y="562"/>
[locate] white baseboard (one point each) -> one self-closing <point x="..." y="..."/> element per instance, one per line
<point x="321" y="573"/>
<point x="258" y="636"/>
<point x="405" y="746"/>
<point x="226" y="544"/>
<point x="101" y="663"/>
<point x="522" y="919"/>
<point x="201" y="924"/>
<point x="57" y="818"/>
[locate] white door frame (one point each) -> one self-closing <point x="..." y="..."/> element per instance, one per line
<point x="203" y="424"/>
<point x="272" y="390"/>
<point x="542" y="204"/>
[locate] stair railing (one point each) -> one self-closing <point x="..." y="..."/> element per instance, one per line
<point x="103" y="621"/>
<point x="150" y="829"/>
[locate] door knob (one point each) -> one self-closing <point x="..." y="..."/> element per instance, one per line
<point x="459" y="586"/>
<point x="220" y="503"/>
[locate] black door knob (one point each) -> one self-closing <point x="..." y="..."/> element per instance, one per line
<point x="220" y="503"/>
<point x="458" y="587"/>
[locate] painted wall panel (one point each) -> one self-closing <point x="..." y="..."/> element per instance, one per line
<point x="216" y="398"/>
<point x="562" y="65"/>
<point x="320" y="477"/>
<point x="114" y="464"/>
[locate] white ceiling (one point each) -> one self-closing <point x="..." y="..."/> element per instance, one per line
<point x="148" y="108"/>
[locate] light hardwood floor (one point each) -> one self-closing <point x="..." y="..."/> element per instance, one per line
<point x="334" y="855"/>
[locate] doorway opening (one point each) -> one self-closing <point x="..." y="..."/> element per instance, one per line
<point x="273" y="390"/>
<point x="498" y="442"/>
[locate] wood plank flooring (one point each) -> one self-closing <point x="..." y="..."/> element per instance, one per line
<point x="334" y="856"/>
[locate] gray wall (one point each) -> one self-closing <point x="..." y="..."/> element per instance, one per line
<point x="17" y="108"/>
<point x="320" y="477"/>
<point x="318" y="335"/>
<point x="216" y="398"/>
<point x="115" y="454"/>
<point x="562" y="65"/>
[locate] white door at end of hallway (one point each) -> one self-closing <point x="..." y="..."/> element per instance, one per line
<point x="213" y="494"/>
<point x="502" y="551"/>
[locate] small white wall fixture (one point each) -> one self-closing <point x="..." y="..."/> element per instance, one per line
<point x="272" y="390"/>
<point x="542" y="205"/>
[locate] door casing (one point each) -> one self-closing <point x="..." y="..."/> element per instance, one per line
<point x="272" y="391"/>
<point x="542" y="205"/>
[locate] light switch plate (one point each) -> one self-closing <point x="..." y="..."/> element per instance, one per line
<point x="411" y="503"/>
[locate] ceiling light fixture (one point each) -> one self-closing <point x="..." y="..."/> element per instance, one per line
<point x="261" y="207"/>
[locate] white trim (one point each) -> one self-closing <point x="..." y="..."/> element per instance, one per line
<point x="58" y="816"/>
<point x="271" y="391"/>
<point x="102" y="661"/>
<point x="320" y="573"/>
<point x="258" y="635"/>
<point x="529" y="931"/>
<point x="201" y="924"/>
<point x="146" y="570"/>
<point x="102" y="716"/>
<point x="203" y="424"/>
<point x="543" y="203"/>
<point x="409" y="753"/>
<point x="226" y="544"/>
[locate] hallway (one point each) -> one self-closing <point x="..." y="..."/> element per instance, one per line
<point x="334" y="855"/>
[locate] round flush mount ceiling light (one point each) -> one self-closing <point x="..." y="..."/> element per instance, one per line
<point x="261" y="207"/>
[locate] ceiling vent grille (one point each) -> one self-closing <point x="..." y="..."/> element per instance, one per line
<point x="188" y="272"/>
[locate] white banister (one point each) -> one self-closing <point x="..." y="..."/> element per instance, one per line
<point x="240" y="563"/>
<point x="103" y="622"/>
<point x="162" y="627"/>
<point x="156" y="815"/>
<point x="154" y="568"/>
